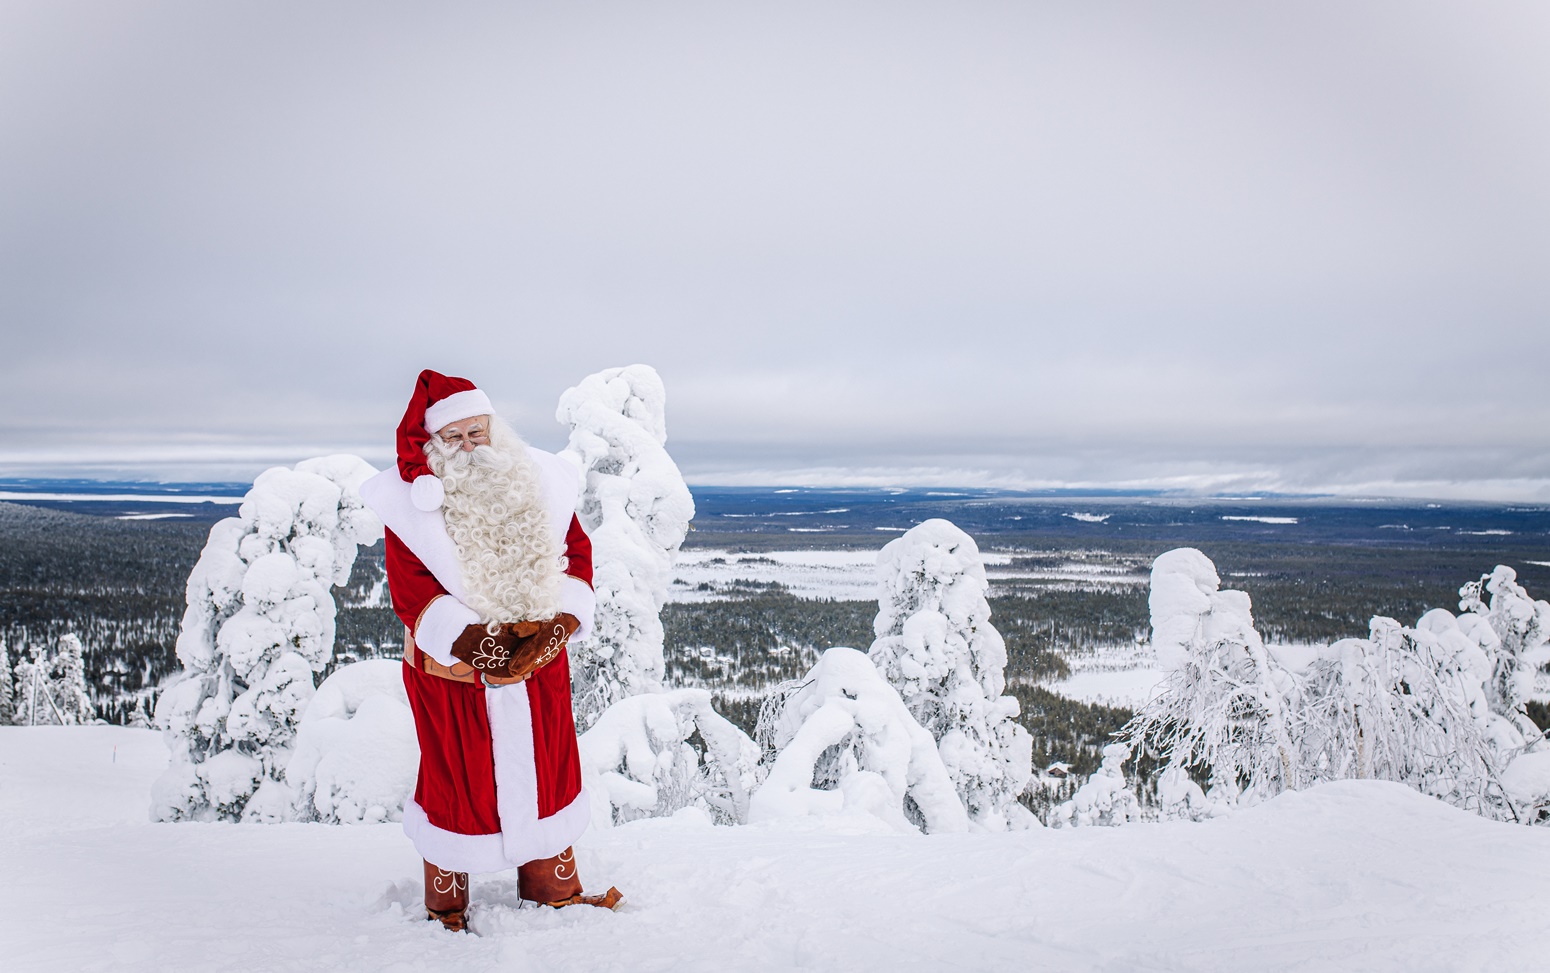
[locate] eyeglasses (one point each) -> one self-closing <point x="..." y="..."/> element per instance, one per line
<point x="474" y="437"/>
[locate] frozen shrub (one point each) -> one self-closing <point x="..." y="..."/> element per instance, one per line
<point x="641" y="759"/>
<point x="356" y="753"/>
<point x="844" y="742"/>
<point x="1104" y="798"/>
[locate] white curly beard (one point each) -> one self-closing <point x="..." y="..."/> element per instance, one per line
<point x="496" y="517"/>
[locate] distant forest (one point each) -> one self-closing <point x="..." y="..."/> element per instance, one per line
<point x="119" y="586"/>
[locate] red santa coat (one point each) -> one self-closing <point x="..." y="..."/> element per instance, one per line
<point x="500" y="776"/>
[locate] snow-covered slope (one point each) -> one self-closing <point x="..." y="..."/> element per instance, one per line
<point x="1353" y="876"/>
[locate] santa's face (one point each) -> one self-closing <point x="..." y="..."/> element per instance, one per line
<point x="466" y="433"/>
<point x="459" y="448"/>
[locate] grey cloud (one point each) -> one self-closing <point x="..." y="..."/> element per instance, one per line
<point x="1187" y="237"/>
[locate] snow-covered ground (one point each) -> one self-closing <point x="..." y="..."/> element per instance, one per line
<point x="1353" y="876"/>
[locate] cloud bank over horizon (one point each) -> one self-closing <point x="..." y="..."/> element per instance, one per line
<point x="1204" y="248"/>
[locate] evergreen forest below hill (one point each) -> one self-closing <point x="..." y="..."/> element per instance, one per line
<point x="118" y="584"/>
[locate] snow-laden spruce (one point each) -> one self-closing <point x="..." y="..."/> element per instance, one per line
<point x="637" y="760"/>
<point x="356" y="753"/>
<point x="846" y="743"/>
<point x="52" y="690"/>
<point x="259" y="623"/>
<point x="936" y="646"/>
<point x="636" y="508"/>
<point x="1438" y="707"/>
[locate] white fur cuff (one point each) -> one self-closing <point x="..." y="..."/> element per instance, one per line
<point x="577" y="598"/>
<point x="440" y="625"/>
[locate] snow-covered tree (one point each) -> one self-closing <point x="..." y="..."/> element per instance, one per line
<point x="1104" y="798"/>
<point x="67" y="682"/>
<point x="356" y="753"/>
<point x="1438" y="707"/>
<point x="1228" y="705"/>
<point x="638" y="759"/>
<point x="1514" y="632"/>
<point x="7" y="692"/>
<point x="259" y="623"/>
<point x="845" y="743"/>
<point x="1407" y="705"/>
<point x="936" y="646"/>
<point x="637" y="509"/>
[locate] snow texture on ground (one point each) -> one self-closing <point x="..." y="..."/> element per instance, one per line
<point x="1353" y="876"/>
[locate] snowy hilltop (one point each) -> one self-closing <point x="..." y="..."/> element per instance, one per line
<point x="1360" y="875"/>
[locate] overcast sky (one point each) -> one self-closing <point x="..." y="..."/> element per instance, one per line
<point x="1205" y="246"/>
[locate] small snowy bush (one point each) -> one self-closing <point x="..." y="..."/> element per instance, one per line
<point x="356" y="752"/>
<point x="640" y="760"/>
<point x="846" y="743"/>
<point x="1105" y="798"/>
<point x="636" y="508"/>
<point x="936" y="646"/>
<point x="259" y="624"/>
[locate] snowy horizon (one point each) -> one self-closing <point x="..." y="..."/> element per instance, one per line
<point x="701" y="468"/>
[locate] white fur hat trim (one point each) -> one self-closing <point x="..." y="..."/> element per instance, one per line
<point x="458" y="405"/>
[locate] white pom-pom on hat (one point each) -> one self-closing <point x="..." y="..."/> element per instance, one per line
<point x="426" y="492"/>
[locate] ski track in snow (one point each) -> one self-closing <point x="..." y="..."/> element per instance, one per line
<point x="1355" y="876"/>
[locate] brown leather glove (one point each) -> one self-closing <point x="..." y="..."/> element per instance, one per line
<point x="533" y="652"/>
<point x="491" y="655"/>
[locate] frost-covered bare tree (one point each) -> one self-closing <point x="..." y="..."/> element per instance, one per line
<point x="641" y="759"/>
<point x="1407" y="705"/>
<point x="844" y="742"/>
<point x="259" y="624"/>
<point x="1438" y="707"/>
<point x="936" y="646"/>
<point x="636" y="508"/>
<point x="1227" y="705"/>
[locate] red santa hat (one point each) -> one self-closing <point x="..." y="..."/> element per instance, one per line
<point x="437" y="400"/>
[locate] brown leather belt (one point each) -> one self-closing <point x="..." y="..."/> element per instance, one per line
<point x="457" y="672"/>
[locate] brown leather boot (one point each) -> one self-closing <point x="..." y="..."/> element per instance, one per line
<point x="446" y="897"/>
<point x="554" y="882"/>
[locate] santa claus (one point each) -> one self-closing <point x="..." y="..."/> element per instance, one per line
<point x="491" y="573"/>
